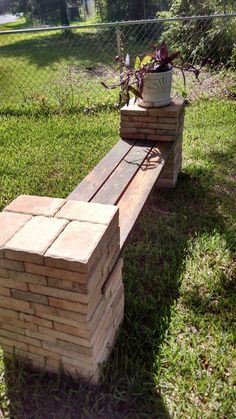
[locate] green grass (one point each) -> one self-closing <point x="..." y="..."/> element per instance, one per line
<point x="175" y="354"/>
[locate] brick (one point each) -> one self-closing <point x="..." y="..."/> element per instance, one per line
<point x="148" y="119"/>
<point x="76" y="247"/>
<point x="146" y="131"/>
<point x="10" y="224"/>
<point x="12" y="265"/>
<point x="43" y="352"/>
<point x="113" y="280"/>
<point x="17" y="324"/>
<point x="41" y="336"/>
<point x="12" y="303"/>
<point x="29" y="296"/>
<point x="63" y="294"/>
<point x="35" y="320"/>
<point x="35" y="205"/>
<point x="5" y="291"/>
<point x="59" y="315"/>
<point x="56" y="273"/>
<point x="70" y="350"/>
<point x="66" y="337"/>
<point x="12" y="328"/>
<point x="66" y="285"/>
<point x="3" y="273"/>
<point x="68" y="305"/>
<point x="127" y="118"/>
<point x="89" y="212"/>
<point x="10" y="283"/>
<point x="19" y="338"/>
<point x="9" y="315"/>
<point x="159" y="126"/>
<point x="72" y="330"/>
<point x="132" y="110"/>
<point x="127" y="135"/>
<point x="24" y="245"/>
<point x="13" y="343"/>
<point x="27" y="277"/>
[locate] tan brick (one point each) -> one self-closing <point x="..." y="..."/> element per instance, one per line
<point x="66" y="285"/>
<point x="66" y="337"/>
<point x="133" y="110"/>
<point x="12" y="303"/>
<point x="72" y="330"/>
<point x="27" y="277"/>
<point x="29" y="296"/>
<point x="8" y="315"/>
<point x="76" y="247"/>
<point x="5" y="291"/>
<point x="24" y="245"/>
<point x="12" y="265"/>
<point x="63" y="294"/>
<point x="56" y="273"/>
<point x="70" y="350"/>
<point x="59" y="315"/>
<point x="13" y="343"/>
<point x="41" y="336"/>
<point x="10" y="224"/>
<point x="68" y="305"/>
<point x="77" y="373"/>
<point x="35" y="205"/>
<point x="3" y="273"/>
<point x="168" y="121"/>
<point x="35" y="320"/>
<point x="14" y="336"/>
<point x="89" y="212"/>
<point x="44" y="352"/>
<point x="16" y="324"/>
<point x="10" y="283"/>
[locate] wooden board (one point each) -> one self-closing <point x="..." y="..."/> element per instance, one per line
<point x="120" y="178"/>
<point x="96" y="178"/>
<point x="135" y="196"/>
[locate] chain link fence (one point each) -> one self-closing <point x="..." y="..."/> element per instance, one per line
<point x="63" y="67"/>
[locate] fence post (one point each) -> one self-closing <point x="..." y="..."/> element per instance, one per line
<point x="119" y="47"/>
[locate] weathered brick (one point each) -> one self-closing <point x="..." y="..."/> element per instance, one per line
<point x="10" y="224"/>
<point x="68" y="305"/>
<point x="128" y="135"/>
<point x="66" y="285"/>
<point x="41" y="336"/>
<point x="59" y="315"/>
<point x="35" y="320"/>
<point x="29" y="296"/>
<point x="70" y="350"/>
<point x="35" y="205"/>
<point x="27" y="277"/>
<point x="8" y="315"/>
<point x="13" y="343"/>
<point x="146" y="131"/>
<point x="12" y="265"/>
<point x="14" y="304"/>
<point x="3" y="273"/>
<point x="19" y="338"/>
<point x="63" y="294"/>
<point x="11" y="283"/>
<point x="89" y="212"/>
<point x="5" y="291"/>
<point x="23" y="245"/>
<point x="66" y="337"/>
<point x="43" y="352"/>
<point x="56" y="273"/>
<point x="76" y="247"/>
<point x="72" y="330"/>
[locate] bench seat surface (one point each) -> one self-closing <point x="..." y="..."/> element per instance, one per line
<point x="125" y="177"/>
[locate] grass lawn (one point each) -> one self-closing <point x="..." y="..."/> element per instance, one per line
<point x="175" y="354"/>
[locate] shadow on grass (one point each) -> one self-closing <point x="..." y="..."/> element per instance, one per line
<point x="153" y="264"/>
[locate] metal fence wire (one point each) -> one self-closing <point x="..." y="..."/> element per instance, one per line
<point x="65" y="66"/>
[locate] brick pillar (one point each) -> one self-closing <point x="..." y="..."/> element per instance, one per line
<point x="157" y="124"/>
<point x="61" y="290"/>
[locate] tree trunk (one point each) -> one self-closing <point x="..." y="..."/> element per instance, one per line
<point x="63" y="13"/>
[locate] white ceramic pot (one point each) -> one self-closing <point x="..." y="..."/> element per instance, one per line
<point x="156" y="89"/>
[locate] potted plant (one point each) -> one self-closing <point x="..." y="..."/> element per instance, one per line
<point x="150" y="79"/>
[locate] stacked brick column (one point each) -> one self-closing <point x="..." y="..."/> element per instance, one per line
<point x="157" y="124"/>
<point x="61" y="291"/>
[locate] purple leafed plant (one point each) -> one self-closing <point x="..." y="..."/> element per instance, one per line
<point x="132" y="78"/>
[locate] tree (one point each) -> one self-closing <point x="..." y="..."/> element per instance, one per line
<point x="63" y="13"/>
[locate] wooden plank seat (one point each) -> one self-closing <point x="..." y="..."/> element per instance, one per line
<point x="125" y="177"/>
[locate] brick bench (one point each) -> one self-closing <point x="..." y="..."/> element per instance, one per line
<point x="62" y="296"/>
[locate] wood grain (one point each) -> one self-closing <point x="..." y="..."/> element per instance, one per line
<point x="95" y="179"/>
